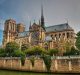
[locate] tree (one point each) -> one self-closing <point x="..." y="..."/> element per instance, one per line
<point x="36" y="50"/>
<point x="16" y="53"/>
<point x="23" y="57"/>
<point x="78" y="40"/>
<point x="47" y="61"/>
<point x="53" y="52"/>
<point x="78" y="34"/>
<point x="32" y="59"/>
<point x="73" y="51"/>
<point x="11" y="47"/>
<point x="2" y="52"/>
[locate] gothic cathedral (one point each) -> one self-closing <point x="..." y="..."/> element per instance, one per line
<point x="55" y="36"/>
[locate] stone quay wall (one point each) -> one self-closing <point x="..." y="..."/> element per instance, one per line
<point x="58" y="64"/>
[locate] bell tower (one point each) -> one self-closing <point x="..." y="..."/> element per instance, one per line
<point x="9" y="32"/>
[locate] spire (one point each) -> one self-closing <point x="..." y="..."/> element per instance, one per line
<point x="39" y="22"/>
<point x="42" y="17"/>
<point x="66" y="20"/>
<point x="42" y="11"/>
<point x="34" y="22"/>
<point x="30" y="25"/>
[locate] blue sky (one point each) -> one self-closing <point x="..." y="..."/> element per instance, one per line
<point x="55" y="12"/>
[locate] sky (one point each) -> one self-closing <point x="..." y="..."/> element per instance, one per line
<point x="55" y="12"/>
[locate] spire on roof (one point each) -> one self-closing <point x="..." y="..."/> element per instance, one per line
<point x="30" y="25"/>
<point x="42" y="11"/>
<point x="66" y="20"/>
<point x="42" y="17"/>
<point x="34" y="20"/>
<point x="39" y="22"/>
<point x="67" y="23"/>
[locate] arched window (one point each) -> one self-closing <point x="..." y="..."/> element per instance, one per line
<point x="63" y="34"/>
<point x="67" y="34"/>
<point x="55" y="35"/>
<point x="59" y="35"/>
<point x="51" y="35"/>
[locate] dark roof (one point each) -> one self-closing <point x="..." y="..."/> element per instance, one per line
<point x="53" y="28"/>
<point x="59" y="27"/>
<point x="23" y="34"/>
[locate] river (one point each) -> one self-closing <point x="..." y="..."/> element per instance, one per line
<point x="5" y="72"/>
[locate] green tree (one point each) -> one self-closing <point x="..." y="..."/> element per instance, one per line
<point x="2" y="52"/>
<point x="78" y="40"/>
<point x="36" y="50"/>
<point x="16" y="53"/>
<point x="78" y="34"/>
<point x="53" y="52"/>
<point x="23" y="57"/>
<point x="11" y="47"/>
<point x="73" y="51"/>
<point x="32" y="59"/>
<point x="47" y="61"/>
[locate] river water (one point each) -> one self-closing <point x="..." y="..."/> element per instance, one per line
<point x="5" y="72"/>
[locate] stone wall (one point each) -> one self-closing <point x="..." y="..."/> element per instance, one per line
<point x="58" y="65"/>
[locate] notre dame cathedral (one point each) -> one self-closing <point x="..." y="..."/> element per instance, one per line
<point x="55" y="36"/>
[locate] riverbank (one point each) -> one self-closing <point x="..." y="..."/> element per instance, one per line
<point x="34" y="73"/>
<point x="58" y="65"/>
